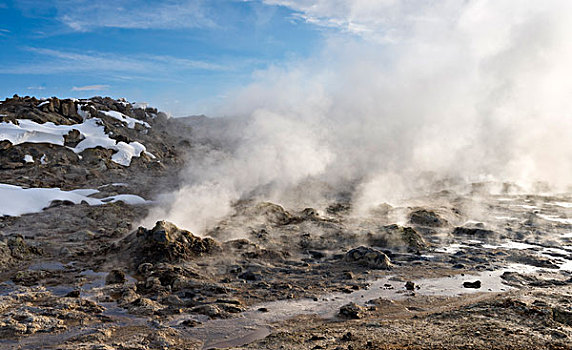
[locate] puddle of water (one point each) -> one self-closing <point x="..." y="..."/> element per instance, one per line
<point x="48" y="266"/>
<point x="451" y="248"/>
<point x="567" y="266"/>
<point x="511" y="245"/>
<point x="563" y="204"/>
<point x="525" y="206"/>
<point x="507" y="218"/>
<point x="473" y="241"/>
<point x="95" y="279"/>
<point x="256" y="334"/>
<point x="556" y="219"/>
<point x="252" y="324"/>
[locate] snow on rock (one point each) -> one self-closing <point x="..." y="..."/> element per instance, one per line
<point x="85" y="114"/>
<point x="92" y="129"/>
<point x="43" y="104"/>
<point x="28" y="158"/>
<point x="123" y="118"/>
<point x="126" y="151"/>
<point x="30" y="131"/>
<point x="32" y="200"/>
<point x="126" y="198"/>
<point x="140" y="105"/>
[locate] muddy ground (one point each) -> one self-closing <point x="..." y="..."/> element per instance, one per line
<point x="444" y="275"/>
<point x="478" y="266"/>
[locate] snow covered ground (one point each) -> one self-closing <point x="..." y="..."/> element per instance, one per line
<point x="92" y="129"/>
<point x="16" y="200"/>
<point x="128" y="120"/>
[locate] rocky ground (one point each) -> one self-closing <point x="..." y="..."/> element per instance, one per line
<point x="455" y="269"/>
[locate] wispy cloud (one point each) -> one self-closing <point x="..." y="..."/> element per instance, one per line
<point x="372" y="19"/>
<point x="36" y="88"/>
<point x="90" y="87"/>
<point x="84" y="15"/>
<point x="59" y="62"/>
<point x="4" y="32"/>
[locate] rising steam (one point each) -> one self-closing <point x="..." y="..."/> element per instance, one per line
<point x="459" y="90"/>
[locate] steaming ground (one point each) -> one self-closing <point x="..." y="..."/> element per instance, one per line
<point x="404" y="188"/>
<point x="477" y="262"/>
<point x="455" y="91"/>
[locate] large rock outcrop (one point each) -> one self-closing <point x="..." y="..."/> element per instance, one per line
<point x="164" y="243"/>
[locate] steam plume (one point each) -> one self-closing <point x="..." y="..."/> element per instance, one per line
<point x="465" y="90"/>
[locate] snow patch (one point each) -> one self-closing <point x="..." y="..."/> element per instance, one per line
<point x="28" y="158"/>
<point x="85" y="114"/>
<point x="123" y="118"/>
<point x="32" y="200"/>
<point x="126" y="151"/>
<point x="140" y="105"/>
<point x="92" y="129"/>
<point x="43" y="104"/>
<point x="126" y="198"/>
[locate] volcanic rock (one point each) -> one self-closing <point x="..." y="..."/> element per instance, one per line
<point x="475" y="284"/>
<point x="409" y="285"/>
<point x="429" y="218"/>
<point x="270" y="212"/>
<point x="395" y="236"/>
<point x="72" y="138"/>
<point x="368" y="257"/>
<point x="352" y="310"/>
<point x="115" y="277"/>
<point x="562" y="316"/>
<point x="165" y="243"/>
<point x="473" y="232"/>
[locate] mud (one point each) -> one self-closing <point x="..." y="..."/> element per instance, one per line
<point x="464" y="267"/>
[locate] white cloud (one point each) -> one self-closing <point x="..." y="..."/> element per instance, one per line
<point x="378" y="20"/>
<point x="90" y="88"/>
<point x="36" y="88"/>
<point x="55" y="61"/>
<point x="84" y="15"/>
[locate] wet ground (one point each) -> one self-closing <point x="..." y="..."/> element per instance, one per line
<point x="462" y="268"/>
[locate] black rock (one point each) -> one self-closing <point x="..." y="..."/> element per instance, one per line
<point x="73" y="294"/>
<point x="368" y="257"/>
<point x="409" y="285"/>
<point x="351" y="310"/>
<point x="428" y="218"/>
<point x="250" y="276"/>
<point x="475" y="284"/>
<point x="115" y="277"/>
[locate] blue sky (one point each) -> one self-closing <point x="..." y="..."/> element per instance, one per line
<point x="180" y="55"/>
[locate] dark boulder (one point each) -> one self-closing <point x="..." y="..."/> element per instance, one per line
<point x="475" y="284"/>
<point x="352" y="311"/>
<point x="115" y="277"/>
<point x="429" y="218"/>
<point x="473" y="232"/>
<point x="368" y="257"/>
<point x="72" y="138"/>
<point x="165" y="243"/>
<point x="395" y="236"/>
